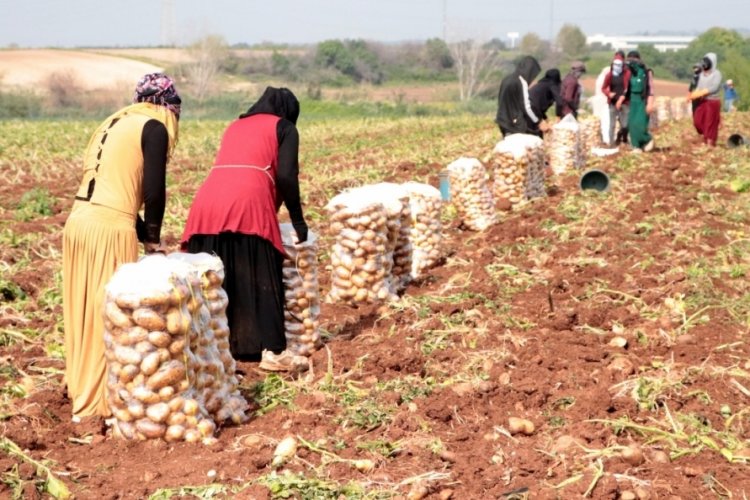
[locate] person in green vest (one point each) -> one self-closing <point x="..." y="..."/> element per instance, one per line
<point x="641" y="103"/>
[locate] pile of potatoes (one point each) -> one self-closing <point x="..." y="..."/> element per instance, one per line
<point x="591" y="134"/>
<point x="471" y="194"/>
<point x="564" y="146"/>
<point x="395" y="201"/>
<point x="518" y="163"/>
<point x="301" y="292"/>
<point x="359" y="264"/>
<point x="167" y="378"/>
<point x="426" y="232"/>
<point x="663" y="111"/>
<point x="680" y="108"/>
<point x="215" y="374"/>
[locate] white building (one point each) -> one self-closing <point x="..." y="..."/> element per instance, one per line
<point x="628" y="42"/>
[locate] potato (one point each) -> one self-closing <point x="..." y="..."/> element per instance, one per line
<point x="128" y="373"/>
<point x="169" y="374"/>
<point x="178" y="321"/>
<point x="149" y="429"/>
<point x="520" y="426"/>
<point x="158" y="412"/>
<point x="145" y="395"/>
<point x="156" y="299"/>
<point x="176" y="418"/>
<point x="116" y="315"/>
<point x="133" y="336"/>
<point x="192" y="436"/>
<point x="159" y="338"/>
<point x="122" y="415"/>
<point x="166" y="393"/>
<point x="177" y="346"/>
<point x="149" y="319"/>
<point x="128" y="300"/>
<point x="127" y="356"/>
<point x="136" y="409"/>
<point x="174" y="433"/>
<point x="125" y="429"/>
<point x="191" y="407"/>
<point x="206" y="427"/>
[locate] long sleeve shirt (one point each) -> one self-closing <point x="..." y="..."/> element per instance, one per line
<point x="710" y="81"/>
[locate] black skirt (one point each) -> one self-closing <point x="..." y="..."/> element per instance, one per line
<point x="255" y="288"/>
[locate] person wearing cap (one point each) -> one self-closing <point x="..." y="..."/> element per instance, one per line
<point x="234" y="215"/>
<point x="615" y="87"/>
<point x="730" y="96"/>
<point x="570" y="90"/>
<point x="514" y="110"/>
<point x="124" y="169"/>
<point x="641" y="103"/>
<point x="707" y="115"/>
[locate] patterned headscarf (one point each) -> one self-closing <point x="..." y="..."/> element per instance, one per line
<point x="158" y="88"/>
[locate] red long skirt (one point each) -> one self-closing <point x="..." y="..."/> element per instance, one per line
<point x="706" y="118"/>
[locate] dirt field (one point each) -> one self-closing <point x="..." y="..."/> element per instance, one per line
<point x="567" y="313"/>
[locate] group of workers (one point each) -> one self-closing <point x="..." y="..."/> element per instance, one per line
<point x="628" y="86"/>
<point x="233" y="215"/>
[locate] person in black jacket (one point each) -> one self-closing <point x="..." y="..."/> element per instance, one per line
<point x="545" y="93"/>
<point x="514" y="113"/>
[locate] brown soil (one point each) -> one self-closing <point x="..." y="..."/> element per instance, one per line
<point x="555" y="371"/>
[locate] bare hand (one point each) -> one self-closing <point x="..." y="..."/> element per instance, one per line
<point x="151" y="248"/>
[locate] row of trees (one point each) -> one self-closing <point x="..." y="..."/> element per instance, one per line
<point x="474" y="63"/>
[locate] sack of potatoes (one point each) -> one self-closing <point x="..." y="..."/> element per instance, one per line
<point x="518" y="166"/>
<point x="471" y="194"/>
<point x="301" y="292"/>
<point x="166" y="376"/>
<point x="564" y="145"/>
<point x="395" y="201"/>
<point x="359" y="259"/>
<point x="426" y="234"/>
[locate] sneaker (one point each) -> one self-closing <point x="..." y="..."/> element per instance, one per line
<point x="649" y="147"/>
<point x="636" y="151"/>
<point x="285" y="361"/>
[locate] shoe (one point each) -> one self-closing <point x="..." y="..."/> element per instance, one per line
<point x="649" y="147"/>
<point x="636" y="151"/>
<point x="285" y="361"/>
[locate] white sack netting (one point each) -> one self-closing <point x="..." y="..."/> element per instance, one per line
<point x="170" y="372"/>
<point x="301" y="292"/>
<point x="471" y="194"/>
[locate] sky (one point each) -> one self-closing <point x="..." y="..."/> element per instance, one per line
<point x="139" y="23"/>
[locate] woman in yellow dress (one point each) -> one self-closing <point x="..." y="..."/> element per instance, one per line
<point x="124" y="168"/>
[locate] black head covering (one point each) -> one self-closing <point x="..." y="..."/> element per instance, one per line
<point x="634" y="54"/>
<point x="528" y="68"/>
<point x="276" y="101"/>
<point x="552" y="75"/>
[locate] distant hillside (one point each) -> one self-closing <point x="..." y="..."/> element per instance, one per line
<point x="29" y="69"/>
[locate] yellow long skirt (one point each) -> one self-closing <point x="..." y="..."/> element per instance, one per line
<point x="96" y="240"/>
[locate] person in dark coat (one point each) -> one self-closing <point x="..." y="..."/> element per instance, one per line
<point x="514" y="112"/>
<point x="545" y="93"/>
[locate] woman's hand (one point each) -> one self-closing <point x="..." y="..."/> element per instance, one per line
<point x="151" y="248"/>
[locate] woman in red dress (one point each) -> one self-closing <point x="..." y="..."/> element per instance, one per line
<point x="234" y="215"/>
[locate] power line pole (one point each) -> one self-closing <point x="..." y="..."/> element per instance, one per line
<point x="551" y="21"/>
<point x="445" y="21"/>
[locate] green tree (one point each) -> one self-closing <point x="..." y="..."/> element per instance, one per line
<point x="572" y="42"/>
<point x="437" y="54"/>
<point x="531" y="44"/>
